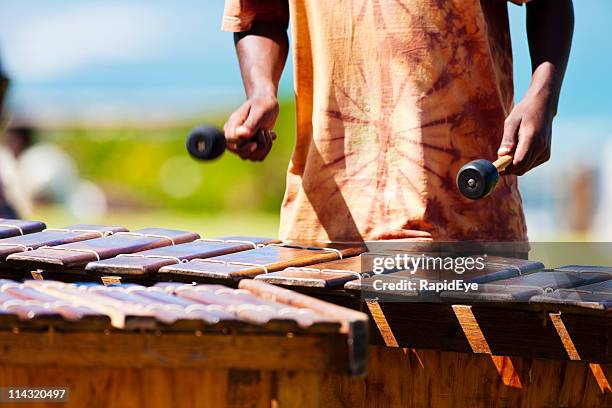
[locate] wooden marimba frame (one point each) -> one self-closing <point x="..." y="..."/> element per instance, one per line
<point x="530" y="338"/>
<point x="178" y="345"/>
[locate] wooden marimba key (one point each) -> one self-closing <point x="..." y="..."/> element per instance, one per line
<point x="146" y="264"/>
<point x="48" y="237"/>
<point x="68" y="259"/>
<point x="12" y="228"/>
<point x="247" y="264"/>
<point x="67" y="335"/>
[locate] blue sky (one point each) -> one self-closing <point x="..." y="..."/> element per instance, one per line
<point x="73" y="56"/>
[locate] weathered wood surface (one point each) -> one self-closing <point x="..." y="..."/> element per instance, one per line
<point x="584" y="268"/>
<point x="13" y="228"/>
<point x="495" y="269"/>
<point x="508" y="326"/>
<point x="402" y="377"/>
<point x="147" y="263"/>
<point x="309" y="352"/>
<point x="332" y="274"/>
<point x="522" y="288"/>
<point x="173" y="307"/>
<point x="597" y="296"/>
<point x="52" y="237"/>
<point x="254" y="262"/>
<point x="77" y="254"/>
<point x="95" y="387"/>
<point x="509" y="331"/>
<point x="128" y="370"/>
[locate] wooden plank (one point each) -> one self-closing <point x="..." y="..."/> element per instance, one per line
<point x="332" y="274"/>
<point x="178" y="307"/>
<point x="13" y="228"/>
<point x="522" y="288"/>
<point x="162" y="387"/>
<point x="171" y="350"/>
<point x="77" y="254"/>
<point x="147" y="263"/>
<point x="501" y="268"/>
<point x="254" y="262"/>
<point x="354" y="323"/>
<point x="248" y="388"/>
<point x="74" y="317"/>
<point x="596" y="296"/>
<point x="530" y="334"/>
<point x="52" y="237"/>
<point x="257" y="310"/>
<point x="400" y="377"/>
<point x="599" y="287"/>
<point x="297" y="389"/>
<point x="584" y="268"/>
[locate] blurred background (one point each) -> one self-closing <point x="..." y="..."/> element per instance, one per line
<point x="103" y="93"/>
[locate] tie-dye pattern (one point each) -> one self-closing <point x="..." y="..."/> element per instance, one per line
<point x="393" y="97"/>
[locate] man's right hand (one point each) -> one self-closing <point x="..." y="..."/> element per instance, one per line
<point x="248" y="131"/>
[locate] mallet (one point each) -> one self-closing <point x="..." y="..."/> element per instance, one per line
<point x="206" y="142"/>
<point x="478" y="178"/>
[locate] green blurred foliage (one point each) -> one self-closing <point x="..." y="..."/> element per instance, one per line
<point x="151" y="166"/>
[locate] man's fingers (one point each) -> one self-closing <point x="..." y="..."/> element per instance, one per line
<point x="252" y="123"/>
<point x="527" y="150"/>
<point x="246" y="150"/>
<point x="509" y="139"/>
<point x="236" y="119"/>
<point x="256" y="149"/>
<point x="264" y="144"/>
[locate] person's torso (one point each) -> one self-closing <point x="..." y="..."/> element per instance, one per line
<point x="393" y="97"/>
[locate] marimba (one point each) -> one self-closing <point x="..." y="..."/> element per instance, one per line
<point x="175" y="344"/>
<point x="528" y="336"/>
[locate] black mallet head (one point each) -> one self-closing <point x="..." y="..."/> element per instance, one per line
<point x="205" y="142"/>
<point x="477" y="179"/>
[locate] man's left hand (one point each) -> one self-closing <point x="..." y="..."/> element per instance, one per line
<point x="528" y="132"/>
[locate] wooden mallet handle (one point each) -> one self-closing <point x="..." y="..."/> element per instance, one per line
<point x="502" y="162"/>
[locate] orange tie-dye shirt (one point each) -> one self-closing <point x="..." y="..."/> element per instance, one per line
<point x="393" y="97"/>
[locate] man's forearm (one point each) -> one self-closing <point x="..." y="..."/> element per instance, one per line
<point x="550" y="26"/>
<point x="262" y="52"/>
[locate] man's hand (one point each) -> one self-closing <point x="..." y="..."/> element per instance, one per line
<point x="262" y="52"/>
<point x="248" y="130"/>
<point x="527" y="132"/>
<point x="528" y="128"/>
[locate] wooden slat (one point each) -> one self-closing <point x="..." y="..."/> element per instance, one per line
<point x="76" y="255"/>
<point x="522" y="288"/>
<point x="355" y="324"/>
<point x="567" y="299"/>
<point x="597" y="296"/>
<point x="495" y="269"/>
<point x="181" y="307"/>
<point x="147" y="263"/>
<point x="584" y="268"/>
<point x="254" y="262"/>
<point x="321" y="275"/>
<point x="400" y="377"/>
<point x="125" y="349"/>
<point x="52" y="237"/>
<point x="13" y="228"/>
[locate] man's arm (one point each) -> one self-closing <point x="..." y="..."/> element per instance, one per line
<point x="262" y="52"/>
<point x="528" y="128"/>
